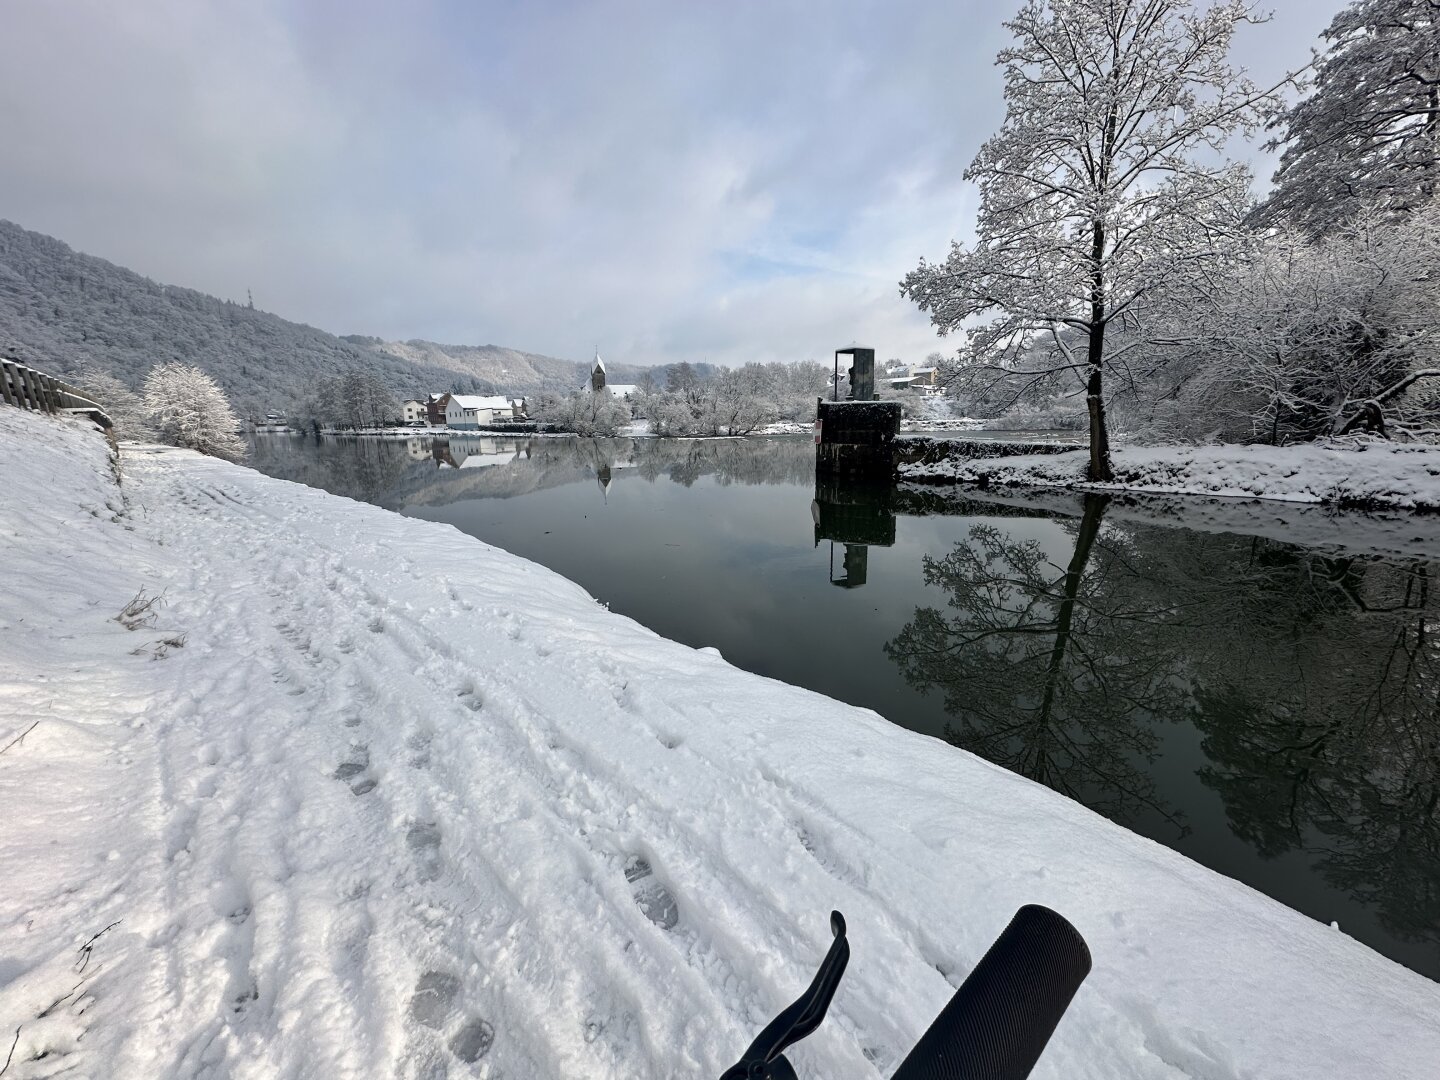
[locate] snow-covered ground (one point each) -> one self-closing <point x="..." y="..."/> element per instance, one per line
<point x="363" y="797"/>
<point x="1368" y="474"/>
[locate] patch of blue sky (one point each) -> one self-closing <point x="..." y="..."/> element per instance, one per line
<point x="751" y="266"/>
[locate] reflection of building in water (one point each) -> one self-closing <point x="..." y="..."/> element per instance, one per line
<point x="857" y="516"/>
<point x="473" y="453"/>
<point x="419" y="449"/>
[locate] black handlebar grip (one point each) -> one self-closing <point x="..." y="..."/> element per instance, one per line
<point x="1000" y="1019"/>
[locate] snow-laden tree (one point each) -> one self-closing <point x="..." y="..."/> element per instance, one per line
<point x="1369" y="133"/>
<point x="597" y="414"/>
<point x="187" y="408"/>
<point x="1308" y="338"/>
<point x="734" y="401"/>
<point x="120" y="403"/>
<point x="1092" y="194"/>
<point x="355" y="399"/>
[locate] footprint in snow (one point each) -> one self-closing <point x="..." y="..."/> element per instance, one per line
<point x="423" y="839"/>
<point x="434" y="999"/>
<point x="353" y="772"/>
<point x="651" y="897"/>
<point x="472" y="1041"/>
<point x="435" y="1004"/>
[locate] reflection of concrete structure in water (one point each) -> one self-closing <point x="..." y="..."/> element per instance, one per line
<point x="858" y="516"/>
<point x="854" y="469"/>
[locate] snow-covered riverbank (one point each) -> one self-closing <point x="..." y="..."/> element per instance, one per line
<point x="1368" y="475"/>
<point x="362" y="796"/>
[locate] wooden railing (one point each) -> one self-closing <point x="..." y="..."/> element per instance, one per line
<point x="26" y="388"/>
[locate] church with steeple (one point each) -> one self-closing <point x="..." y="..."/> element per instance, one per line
<point x="597" y="374"/>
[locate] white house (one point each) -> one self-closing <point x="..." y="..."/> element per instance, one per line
<point x="413" y="411"/>
<point x="466" y="411"/>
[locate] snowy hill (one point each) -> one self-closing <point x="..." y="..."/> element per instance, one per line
<point x="63" y="311"/>
<point x="508" y="369"/>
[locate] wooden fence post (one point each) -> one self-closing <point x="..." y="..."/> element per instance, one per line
<point x="9" y="398"/>
<point x="36" y="390"/>
<point x="37" y="393"/>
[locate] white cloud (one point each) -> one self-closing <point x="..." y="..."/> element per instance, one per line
<point x="669" y="181"/>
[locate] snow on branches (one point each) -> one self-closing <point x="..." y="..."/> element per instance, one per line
<point x="1369" y="134"/>
<point x="187" y="408"/>
<point x="1092" y="196"/>
<point x="1307" y="338"/>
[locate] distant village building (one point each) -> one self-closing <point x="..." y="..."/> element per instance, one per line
<point x="435" y="407"/>
<point x="465" y="411"/>
<point x="598" y="382"/>
<point x="898" y="376"/>
<point x="414" y="411"/>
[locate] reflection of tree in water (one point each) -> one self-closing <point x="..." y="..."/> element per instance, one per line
<point x="384" y="472"/>
<point x="730" y="461"/>
<point x="1330" y="742"/>
<point x="1314" y="680"/>
<point x="1047" y="670"/>
<point x="356" y="467"/>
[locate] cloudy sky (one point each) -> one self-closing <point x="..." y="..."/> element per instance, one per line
<point x="676" y="180"/>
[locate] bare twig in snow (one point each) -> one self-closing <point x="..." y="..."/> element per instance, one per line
<point x="22" y="735"/>
<point x="89" y="946"/>
<point x="12" y="1052"/>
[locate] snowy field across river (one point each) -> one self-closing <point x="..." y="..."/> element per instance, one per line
<point x="359" y="796"/>
<point x="1352" y="474"/>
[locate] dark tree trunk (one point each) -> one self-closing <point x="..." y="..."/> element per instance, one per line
<point x="1094" y="391"/>
<point x="1085" y="538"/>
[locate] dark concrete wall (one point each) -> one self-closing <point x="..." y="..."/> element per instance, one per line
<point x="857" y="438"/>
<point x="929" y="451"/>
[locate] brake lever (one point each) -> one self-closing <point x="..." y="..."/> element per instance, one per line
<point x="765" y="1059"/>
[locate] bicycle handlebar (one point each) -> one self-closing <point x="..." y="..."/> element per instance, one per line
<point x="1004" y="1013"/>
<point x="994" y="1027"/>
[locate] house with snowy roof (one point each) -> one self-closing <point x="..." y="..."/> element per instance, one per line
<point x="413" y="411"/>
<point x="467" y="411"/>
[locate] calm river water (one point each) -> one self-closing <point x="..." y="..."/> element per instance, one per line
<point x="1190" y="670"/>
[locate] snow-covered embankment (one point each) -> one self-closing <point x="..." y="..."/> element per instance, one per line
<point x="361" y="796"/>
<point x="1358" y="475"/>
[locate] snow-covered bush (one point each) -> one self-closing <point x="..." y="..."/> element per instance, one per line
<point x="121" y="404"/>
<point x="1303" y="336"/>
<point x="599" y="414"/>
<point x="187" y="408"/>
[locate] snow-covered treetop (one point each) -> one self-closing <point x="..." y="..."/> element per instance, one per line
<point x="1369" y="134"/>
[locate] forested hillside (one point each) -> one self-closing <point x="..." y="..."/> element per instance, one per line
<point x="67" y="312"/>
